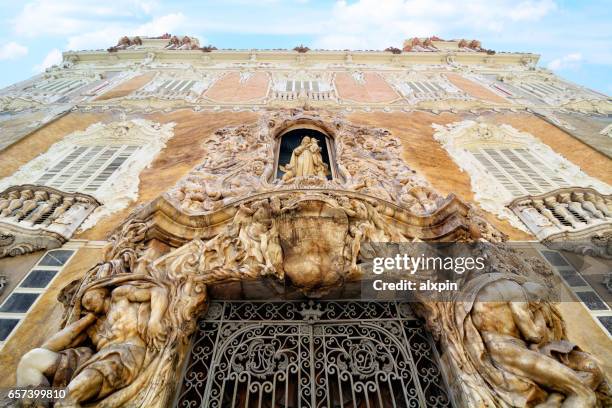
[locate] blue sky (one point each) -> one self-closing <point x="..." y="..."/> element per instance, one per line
<point x="574" y="38"/>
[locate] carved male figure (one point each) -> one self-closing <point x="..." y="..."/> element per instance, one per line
<point x="523" y="336"/>
<point x="121" y="324"/>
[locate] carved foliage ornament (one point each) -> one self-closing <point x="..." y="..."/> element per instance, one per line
<point x="140" y="305"/>
<point x="240" y="162"/>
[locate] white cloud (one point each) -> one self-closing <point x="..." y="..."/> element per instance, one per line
<point x="378" y="24"/>
<point x="54" y="57"/>
<point x="532" y="10"/>
<point x="569" y="61"/>
<point x="107" y="36"/>
<point x="66" y="17"/>
<point x="12" y="50"/>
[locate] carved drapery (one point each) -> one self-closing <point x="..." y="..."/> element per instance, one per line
<point x="577" y="219"/>
<point x="309" y="233"/>
<point x="38" y="217"/>
<point x="240" y="163"/>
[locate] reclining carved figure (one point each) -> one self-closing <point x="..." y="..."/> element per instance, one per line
<point x="120" y="322"/>
<point x="516" y="341"/>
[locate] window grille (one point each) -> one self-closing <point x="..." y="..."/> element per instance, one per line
<point x="312" y="354"/>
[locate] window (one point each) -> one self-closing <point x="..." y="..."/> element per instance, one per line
<point x="16" y="306"/>
<point x="518" y="170"/>
<point x="541" y="89"/>
<point x="429" y="89"/>
<point x="167" y="86"/>
<point x="291" y="86"/>
<point x="586" y="294"/>
<point x="86" y="168"/>
<point x="297" y="86"/>
<point x="59" y="86"/>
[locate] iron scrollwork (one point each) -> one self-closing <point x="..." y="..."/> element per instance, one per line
<point x="320" y="354"/>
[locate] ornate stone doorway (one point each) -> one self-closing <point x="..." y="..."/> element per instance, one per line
<point x="324" y="354"/>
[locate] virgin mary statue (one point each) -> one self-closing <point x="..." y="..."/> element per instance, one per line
<point x="305" y="160"/>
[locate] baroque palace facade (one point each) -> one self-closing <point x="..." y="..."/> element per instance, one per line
<point x="186" y="226"/>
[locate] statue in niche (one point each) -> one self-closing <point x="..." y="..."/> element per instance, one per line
<point x="306" y="160"/>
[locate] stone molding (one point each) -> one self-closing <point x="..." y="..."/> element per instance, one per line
<point x="460" y="137"/>
<point x="122" y="187"/>
<point x="576" y="219"/>
<point x="38" y="217"/>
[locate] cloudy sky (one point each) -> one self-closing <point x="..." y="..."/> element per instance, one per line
<point x="574" y="38"/>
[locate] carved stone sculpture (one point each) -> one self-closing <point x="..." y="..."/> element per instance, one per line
<point x="574" y="219"/>
<point x="507" y="344"/>
<point x="139" y="306"/>
<point x="305" y="161"/>
<point x="39" y="217"/>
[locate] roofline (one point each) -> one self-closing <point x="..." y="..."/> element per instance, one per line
<point x="313" y="56"/>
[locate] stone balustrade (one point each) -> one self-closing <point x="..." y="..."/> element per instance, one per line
<point x="567" y="216"/>
<point x="310" y="95"/>
<point x="39" y="217"/>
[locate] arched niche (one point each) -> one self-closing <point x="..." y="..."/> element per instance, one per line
<point x="291" y="138"/>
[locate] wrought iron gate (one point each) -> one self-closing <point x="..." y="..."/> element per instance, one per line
<point x="323" y="354"/>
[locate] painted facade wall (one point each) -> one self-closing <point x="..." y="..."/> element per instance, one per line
<point x="240" y="90"/>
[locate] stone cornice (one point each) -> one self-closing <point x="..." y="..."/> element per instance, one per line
<point x="175" y="227"/>
<point x="350" y="58"/>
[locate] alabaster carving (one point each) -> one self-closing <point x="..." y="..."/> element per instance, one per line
<point x="122" y="187"/>
<point x="38" y="217"/>
<point x="305" y="161"/>
<point x="367" y="160"/>
<point x="577" y="219"/>
<point x="506" y="344"/>
<point x="460" y="139"/>
<point x="128" y="320"/>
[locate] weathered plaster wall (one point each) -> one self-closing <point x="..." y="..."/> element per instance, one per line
<point x="428" y="157"/>
<point x="182" y="153"/>
<point x="229" y="88"/>
<point x="44" y="317"/>
<point x="374" y="89"/>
